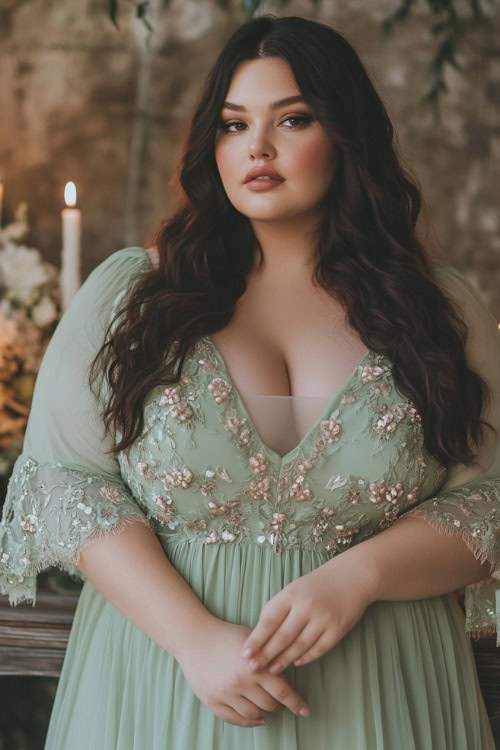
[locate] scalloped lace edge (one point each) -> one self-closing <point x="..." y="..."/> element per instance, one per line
<point x="480" y="554"/>
<point x="25" y="590"/>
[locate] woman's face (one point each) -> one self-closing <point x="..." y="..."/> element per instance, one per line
<point x="288" y="139"/>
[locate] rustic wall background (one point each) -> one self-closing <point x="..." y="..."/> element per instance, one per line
<point x="83" y="101"/>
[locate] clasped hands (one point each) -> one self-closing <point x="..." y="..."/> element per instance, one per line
<point x="309" y="616"/>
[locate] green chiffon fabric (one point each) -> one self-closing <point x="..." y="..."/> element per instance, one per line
<point x="239" y="522"/>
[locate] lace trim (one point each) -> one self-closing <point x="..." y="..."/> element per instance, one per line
<point x="51" y="514"/>
<point x="482" y="599"/>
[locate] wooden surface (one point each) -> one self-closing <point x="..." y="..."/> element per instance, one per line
<point x="33" y="641"/>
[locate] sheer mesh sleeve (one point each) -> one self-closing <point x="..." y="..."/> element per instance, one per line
<point x="468" y="502"/>
<point x="65" y="491"/>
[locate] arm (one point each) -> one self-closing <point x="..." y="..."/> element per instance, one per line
<point x="133" y="573"/>
<point x="412" y="560"/>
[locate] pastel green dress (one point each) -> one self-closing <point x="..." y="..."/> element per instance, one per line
<point x="240" y="517"/>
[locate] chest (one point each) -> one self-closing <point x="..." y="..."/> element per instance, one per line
<point x="292" y="340"/>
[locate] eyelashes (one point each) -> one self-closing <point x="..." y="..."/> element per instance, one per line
<point x="303" y="122"/>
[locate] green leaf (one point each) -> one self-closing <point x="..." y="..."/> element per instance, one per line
<point x="113" y="10"/>
<point x="250" y="6"/>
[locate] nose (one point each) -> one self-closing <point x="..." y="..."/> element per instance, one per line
<point x="260" y="145"/>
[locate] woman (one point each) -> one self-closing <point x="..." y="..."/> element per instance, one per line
<point x="294" y="449"/>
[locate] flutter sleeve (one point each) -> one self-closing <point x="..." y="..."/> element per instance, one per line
<point x="468" y="502"/>
<point x="65" y="490"/>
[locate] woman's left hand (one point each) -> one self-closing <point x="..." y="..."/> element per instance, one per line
<point x="310" y="615"/>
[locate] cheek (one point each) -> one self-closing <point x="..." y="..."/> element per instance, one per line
<point x="226" y="158"/>
<point x="315" y="158"/>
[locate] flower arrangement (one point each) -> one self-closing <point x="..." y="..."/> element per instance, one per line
<point x="30" y="309"/>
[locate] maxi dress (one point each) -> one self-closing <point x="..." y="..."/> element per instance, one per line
<point x="242" y="505"/>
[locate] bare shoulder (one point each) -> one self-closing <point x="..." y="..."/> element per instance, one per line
<point x="154" y="255"/>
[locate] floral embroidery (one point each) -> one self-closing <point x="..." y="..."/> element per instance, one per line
<point x="168" y="513"/>
<point x="170" y="396"/>
<point x="348" y="398"/>
<point x="390" y="417"/>
<point x="219" y="389"/>
<point x="342" y="539"/>
<point x="369" y="374"/>
<point x="181" y="479"/>
<point x="298" y="489"/>
<point x="331" y="428"/>
<point x="379" y="491"/>
<point x="51" y="513"/>
<point x="182" y="412"/>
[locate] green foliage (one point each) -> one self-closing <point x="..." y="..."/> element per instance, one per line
<point x="449" y="26"/>
<point x="448" y="21"/>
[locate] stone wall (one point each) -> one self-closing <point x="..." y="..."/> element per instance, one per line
<point x="81" y="100"/>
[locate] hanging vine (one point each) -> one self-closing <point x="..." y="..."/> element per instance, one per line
<point x="449" y="22"/>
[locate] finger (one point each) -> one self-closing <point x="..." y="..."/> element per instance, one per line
<point x="322" y="645"/>
<point x="247" y="708"/>
<point x="270" y="619"/>
<point x="280" y="688"/>
<point x="263" y="700"/>
<point x="229" y="715"/>
<point x="290" y="630"/>
<point x="306" y="639"/>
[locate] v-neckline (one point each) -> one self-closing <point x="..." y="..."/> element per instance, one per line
<point x="314" y="427"/>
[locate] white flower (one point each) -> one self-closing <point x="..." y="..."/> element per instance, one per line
<point x="18" y="228"/>
<point x="44" y="312"/>
<point x="22" y="270"/>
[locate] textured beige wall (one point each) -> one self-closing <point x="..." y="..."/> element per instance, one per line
<point x="82" y="101"/>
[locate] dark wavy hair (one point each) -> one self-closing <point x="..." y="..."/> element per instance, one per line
<point x="368" y="254"/>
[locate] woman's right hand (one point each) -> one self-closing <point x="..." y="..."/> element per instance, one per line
<point x="219" y="676"/>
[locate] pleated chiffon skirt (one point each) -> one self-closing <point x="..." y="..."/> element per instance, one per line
<point x="403" y="678"/>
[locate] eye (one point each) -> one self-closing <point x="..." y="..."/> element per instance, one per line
<point x="301" y="120"/>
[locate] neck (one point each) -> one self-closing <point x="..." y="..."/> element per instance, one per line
<point x="288" y="250"/>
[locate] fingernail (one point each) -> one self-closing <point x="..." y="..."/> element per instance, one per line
<point x="304" y="711"/>
<point x="262" y="724"/>
<point x="247" y="652"/>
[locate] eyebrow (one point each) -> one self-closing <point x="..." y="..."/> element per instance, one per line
<point x="274" y="105"/>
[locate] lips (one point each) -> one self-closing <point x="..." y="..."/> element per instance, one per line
<point x="263" y="172"/>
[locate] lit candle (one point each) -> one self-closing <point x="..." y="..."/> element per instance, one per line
<point x="70" y="256"/>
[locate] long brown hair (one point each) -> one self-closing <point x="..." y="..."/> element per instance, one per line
<point x="368" y="254"/>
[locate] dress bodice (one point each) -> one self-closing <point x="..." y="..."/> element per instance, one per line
<point x="213" y="466"/>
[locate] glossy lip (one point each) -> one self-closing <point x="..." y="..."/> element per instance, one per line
<point x="261" y="172"/>
<point x="259" y="185"/>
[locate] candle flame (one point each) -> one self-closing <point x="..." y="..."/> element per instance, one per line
<point x="70" y="194"/>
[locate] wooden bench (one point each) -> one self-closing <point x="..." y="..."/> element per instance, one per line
<point x="33" y="640"/>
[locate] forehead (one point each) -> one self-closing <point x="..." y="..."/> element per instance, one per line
<point x="257" y="83"/>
